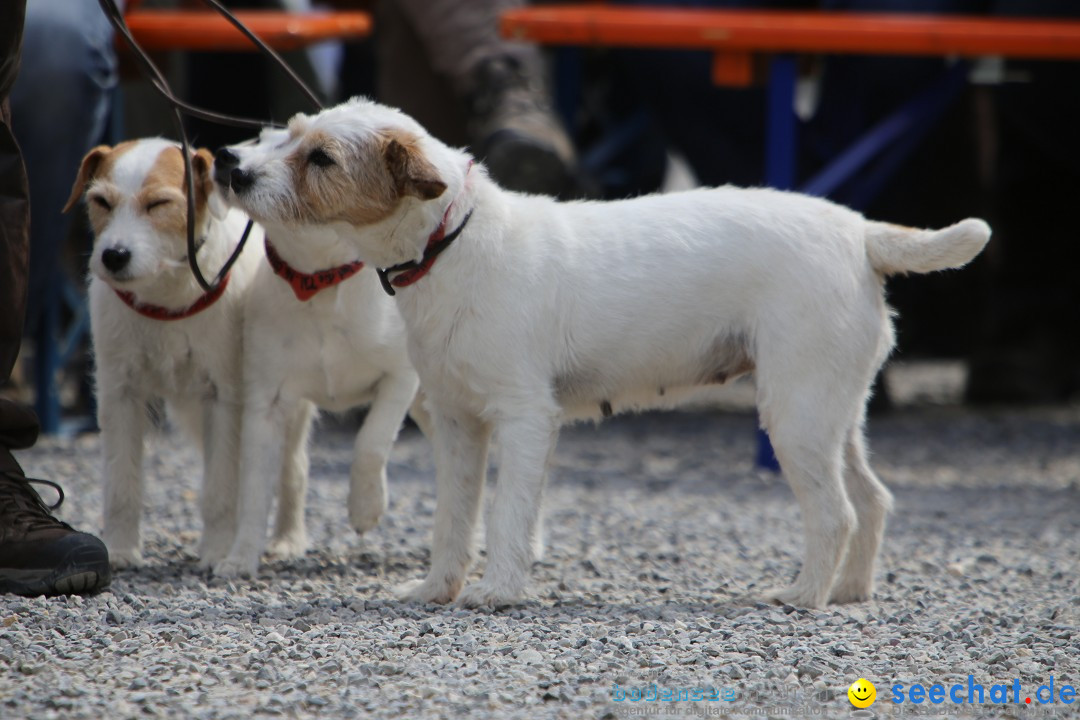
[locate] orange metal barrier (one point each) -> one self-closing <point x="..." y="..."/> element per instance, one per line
<point x="735" y="35"/>
<point x="202" y="30"/>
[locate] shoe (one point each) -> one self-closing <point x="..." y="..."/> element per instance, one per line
<point x="514" y="130"/>
<point x="40" y="555"/>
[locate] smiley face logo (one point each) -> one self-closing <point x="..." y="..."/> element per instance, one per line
<point x="862" y="693"/>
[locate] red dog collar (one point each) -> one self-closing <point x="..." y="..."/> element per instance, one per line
<point x="157" y="312"/>
<point x="307" y="285"/>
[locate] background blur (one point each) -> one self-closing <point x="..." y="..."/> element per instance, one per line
<point x="606" y="123"/>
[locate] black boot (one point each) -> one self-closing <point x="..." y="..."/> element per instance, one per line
<point x="515" y="131"/>
<point x="39" y="555"/>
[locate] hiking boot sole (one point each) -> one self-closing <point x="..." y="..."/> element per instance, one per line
<point x="82" y="572"/>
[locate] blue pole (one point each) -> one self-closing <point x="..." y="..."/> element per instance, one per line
<point x="780" y="147"/>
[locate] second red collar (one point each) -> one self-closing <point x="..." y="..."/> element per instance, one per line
<point x="307" y="285"/>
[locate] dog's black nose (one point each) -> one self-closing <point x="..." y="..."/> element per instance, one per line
<point x="226" y="158"/>
<point x="225" y="161"/>
<point x="241" y="180"/>
<point x="115" y="259"/>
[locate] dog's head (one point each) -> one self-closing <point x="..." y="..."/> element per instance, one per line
<point x="367" y="171"/>
<point x="137" y="204"/>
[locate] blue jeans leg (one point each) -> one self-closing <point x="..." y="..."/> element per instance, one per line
<point x="59" y="106"/>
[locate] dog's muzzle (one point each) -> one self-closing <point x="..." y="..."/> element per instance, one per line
<point x="227" y="172"/>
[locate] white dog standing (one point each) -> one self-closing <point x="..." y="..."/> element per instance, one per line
<point x="318" y="331"/>
<point x="157" y="334"/>
<point x="535" y="311"/>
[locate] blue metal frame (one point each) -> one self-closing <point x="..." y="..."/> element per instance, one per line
<point x="780" y="153"/>
<point x="891" y="140"/>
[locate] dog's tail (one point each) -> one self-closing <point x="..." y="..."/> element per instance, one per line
<point x="894" y="249"/>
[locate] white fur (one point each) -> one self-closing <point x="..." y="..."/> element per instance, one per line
<point x="543" y="311"/>
<point x="193" y="363"/>
<point x="342" y="348"/>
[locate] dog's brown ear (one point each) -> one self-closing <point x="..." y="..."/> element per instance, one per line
<point x="87" y="172"/>
<point x="202" y="167"/>
<point x="411" y="171"/>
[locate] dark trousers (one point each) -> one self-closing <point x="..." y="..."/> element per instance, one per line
<point x="18" y="425"/>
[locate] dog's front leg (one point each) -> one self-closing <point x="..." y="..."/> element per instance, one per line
<point x="525" y="446"/>
<point x="221" y="441"/>
<point x="290" y="538"/>
<point x="461" y="445"/>
<point x="367" y="492"/>
<point x="261" y="455"/>
<point x="122" y="417"/>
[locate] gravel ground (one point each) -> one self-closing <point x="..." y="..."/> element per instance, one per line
<point x="659" y="533"/>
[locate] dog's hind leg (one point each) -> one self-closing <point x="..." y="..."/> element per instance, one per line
<point x="290" y="538"/>
<point x="367" y="491"/>
<point x="420" y="415"/>
<point x="461" y="447"/>
<point x="525" y="446"/>
<point x="872" y="502"/>
<point x="537" y="540"/>
<point x="827" y="514"/>
<point x="123" y="422"/>
<point x="807" y="422"/>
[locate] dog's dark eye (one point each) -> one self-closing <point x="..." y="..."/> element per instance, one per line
<point x="101" y="203"/>
<point x="319" y="158"/>
<point x="156" y="204"/>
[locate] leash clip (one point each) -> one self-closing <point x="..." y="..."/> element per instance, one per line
<point x="384" y="278"/>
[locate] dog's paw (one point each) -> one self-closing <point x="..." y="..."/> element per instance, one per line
<point x="486" y="594"/>
<point x="367" y="503"/>
<point x="287" y="547"/>
<point x="851" y="593"/>
<point x="427" y="591"/>
<point x="367" y="492"/>
<point x="125" y="558"/>
<point x="211" y="553"/>
<point x="236" y="567"/>
<point x="365" y="517"/>
<point x="795" y="595"/>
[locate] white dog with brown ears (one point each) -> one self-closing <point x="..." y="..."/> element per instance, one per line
<point x="318" y="332"/>
<point x="522" y="312"/>
<point x="158" y="334"/>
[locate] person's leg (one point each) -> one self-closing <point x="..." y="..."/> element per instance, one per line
<point x="38" y="554"/>
<point x="60" y="106"/>
<point x="510" y="122"/>
<point x="14" y="205"/>
<point x="406" y="79"/>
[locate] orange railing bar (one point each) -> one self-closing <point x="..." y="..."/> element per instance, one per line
<point x="200" y="30"/>
<point x="795" y="32"/>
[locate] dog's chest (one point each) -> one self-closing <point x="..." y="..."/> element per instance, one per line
<point x="182" y="362"/>
<point x="333" y="351"/>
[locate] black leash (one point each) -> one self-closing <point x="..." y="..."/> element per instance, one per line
<point x="179" y="108"/>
